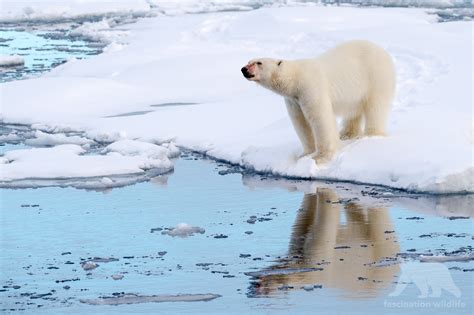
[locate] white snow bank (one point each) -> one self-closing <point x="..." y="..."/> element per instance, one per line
<point x="184" y="230"/>
<point x="143" y="91"/>
<point x="54" y="10"/>
<point x="47" y="139"/>
<point x="11" y="61"/>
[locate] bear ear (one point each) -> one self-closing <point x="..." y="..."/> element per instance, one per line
<point x="279" y="62"/>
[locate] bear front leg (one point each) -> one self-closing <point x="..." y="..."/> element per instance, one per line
<point x="320" y="116"/>
<point x="302" y="128"/>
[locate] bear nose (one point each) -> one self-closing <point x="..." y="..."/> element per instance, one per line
<point x="246" y="73"/>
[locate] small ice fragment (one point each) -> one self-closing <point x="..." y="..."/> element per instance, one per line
<point x="103" y="259"/>
<point x="11" y="61"/>
<point x="184" y="230"/>
<point x="117" y="277"/>
<point x="107" y="181"/>
<point x="89" y="265"/>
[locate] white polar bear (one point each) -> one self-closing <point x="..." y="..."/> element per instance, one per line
<point x="355" y="80"/>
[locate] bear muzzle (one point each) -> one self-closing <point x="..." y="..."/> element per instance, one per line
<point x="246" y="73"/>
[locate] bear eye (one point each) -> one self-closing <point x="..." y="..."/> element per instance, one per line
<point x="259" y="63"/>
<point x="279" y="62"/>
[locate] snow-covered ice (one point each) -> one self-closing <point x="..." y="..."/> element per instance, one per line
<point x="197" y="59"/>
<point x="48" y="139"/>
<point x="70" y="161"/>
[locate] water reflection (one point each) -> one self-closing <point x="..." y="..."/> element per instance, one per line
<point x="355" y="246"/>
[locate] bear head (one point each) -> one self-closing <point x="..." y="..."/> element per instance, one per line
<point x="266" y="72"/>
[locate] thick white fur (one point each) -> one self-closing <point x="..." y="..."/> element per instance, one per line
<point x="354" y="81"/>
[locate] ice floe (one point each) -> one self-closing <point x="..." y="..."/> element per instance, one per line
<point x="197" y="59"/>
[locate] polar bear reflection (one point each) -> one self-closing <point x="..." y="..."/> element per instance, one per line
<point x="349" y="252"/>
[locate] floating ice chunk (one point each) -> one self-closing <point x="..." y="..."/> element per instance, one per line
<point x="117" y="277"/>
<point x="47" y="139"/>
<point x="11" y="61"/>
<point x="103" y="259"/>
<point x="184" y="230"/>
<point x="89" y="266"/>
<point x="152" y="155"/>
<point x="67" y="161"/>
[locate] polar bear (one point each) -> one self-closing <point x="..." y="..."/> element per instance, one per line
<point x="354" y="81"/>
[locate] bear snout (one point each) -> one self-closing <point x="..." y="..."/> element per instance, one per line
<point x="246" y="73"/>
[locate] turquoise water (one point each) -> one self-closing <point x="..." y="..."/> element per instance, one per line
<point x="41" y="50"/>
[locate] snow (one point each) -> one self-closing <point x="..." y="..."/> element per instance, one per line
<point x="11" y="61"/>
<point x="125" y="94"/>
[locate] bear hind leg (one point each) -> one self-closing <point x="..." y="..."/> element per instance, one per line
<point x="376" y="112"/>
